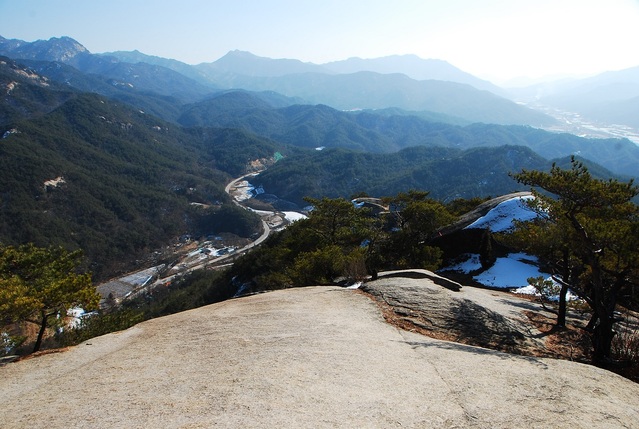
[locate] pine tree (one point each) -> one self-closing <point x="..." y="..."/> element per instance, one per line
<point x="37" y="284"/>
<point x="590" y="228"/>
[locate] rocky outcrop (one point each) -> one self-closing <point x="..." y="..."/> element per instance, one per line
<point x="312" y="357"/>
<point x="423" y="301"/>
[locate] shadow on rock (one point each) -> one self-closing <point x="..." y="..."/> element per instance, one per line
<point x="480" y="326"/>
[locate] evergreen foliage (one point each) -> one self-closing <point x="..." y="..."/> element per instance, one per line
<point x="38" y="284"/>
<point x="126" y="184"/>
<point x="390" y="131"/>
<point x="589" y="235"/>
<point x="340" y="242"/>
<point x="449" y="173"/>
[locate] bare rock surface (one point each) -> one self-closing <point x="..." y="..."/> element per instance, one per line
<point x="442" y="308"/>
<point x="311" y="357"/>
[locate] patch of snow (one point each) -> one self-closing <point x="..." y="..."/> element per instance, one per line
<point x="527" y="290"/>
<point x="511" y="272"/>
<point x="469" y="264"/>
<point x="77" y="314"/>
<point x="294" y="216"/>
<point x="320" y="148"/>
<point x="531" y="290"/>
<point x="243" y="191"/>
<point x="355" y="285"/>
<point x="259" y="212"/>
<point x="501" y="218"/>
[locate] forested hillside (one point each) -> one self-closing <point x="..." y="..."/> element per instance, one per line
<point x="26" y="93"/>
<point x="372" y="131"/>
<point x="121" y="180"/>
<point x="117" y="183"/>
<point x="445" y="172"/>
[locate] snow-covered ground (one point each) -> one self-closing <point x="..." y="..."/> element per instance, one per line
<point x="243" y="191"/>
<point x="514" y="270"/>
<point x="501" y="218"/>
<point x="468" y="263"/>
<point x="511" y="271"/>
<point x="294" y="216"/>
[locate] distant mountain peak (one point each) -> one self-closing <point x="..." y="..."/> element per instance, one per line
<point x="240" y="53"/>
<point x="248" y="64"/>
<point x="61" y="49"/>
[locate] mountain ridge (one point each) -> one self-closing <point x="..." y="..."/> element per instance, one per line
<point x="293" y="78"/>
<point x="414" y="67"/>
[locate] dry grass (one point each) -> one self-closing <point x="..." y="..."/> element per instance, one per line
<point x="570" y="342"/>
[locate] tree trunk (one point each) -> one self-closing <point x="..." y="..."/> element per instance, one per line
<point x="565" y="280"/>
<point x="602" y="340"/>
<point x="604" y="305"/>
<point x="561" y="313"/>
<point x="603" y="300"/>
<point x="590" y="327"/>
<point x="43" y="328"/>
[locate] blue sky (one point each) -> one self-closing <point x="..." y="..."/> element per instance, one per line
<point x="496" y="39"/>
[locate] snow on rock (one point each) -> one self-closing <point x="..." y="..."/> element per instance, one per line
<point x="501" y="217"/>
<point x="510" y="272"/>
<point x="355" y="285"/>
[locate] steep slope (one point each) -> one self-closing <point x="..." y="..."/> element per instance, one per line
<point x="312" y="126"/>
<point x="117" y="183"/>
<point x="299" y="125"/>
<point x="62" y="49"/>
<point x="136" y="56"/>
<point x="621" y="156"/>
<point x="163" y="106"/>
<point x="26" y="93"/>
<point x="292" y="78"/>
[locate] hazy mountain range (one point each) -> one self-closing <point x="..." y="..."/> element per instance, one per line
<point x="135" y="140"/>
<point x="293" y="78"/>
<point x="609" y="98"/>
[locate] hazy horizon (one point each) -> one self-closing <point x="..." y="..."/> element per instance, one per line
<point x="494" y="40"/>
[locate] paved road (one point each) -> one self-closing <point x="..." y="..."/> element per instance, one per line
<point x="319" y="357"/>
<point x="266" y="231"/>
